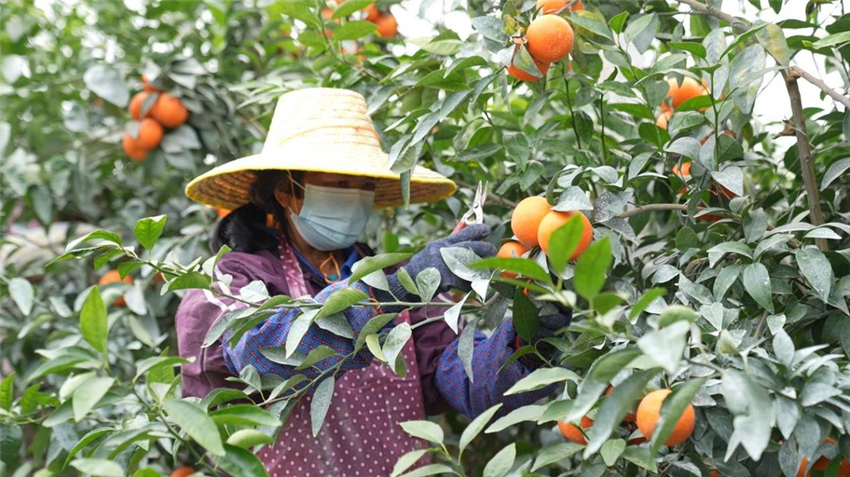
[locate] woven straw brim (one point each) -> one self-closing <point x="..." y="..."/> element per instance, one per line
<point x="319" y="130"/>
<point x="228" y="185"/>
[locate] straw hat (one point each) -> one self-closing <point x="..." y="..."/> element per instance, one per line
<point x="318" y="130"/>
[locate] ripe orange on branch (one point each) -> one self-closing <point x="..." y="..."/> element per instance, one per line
<point x="555" y="6"/>
<point x="663" y="119"/>
<point x="522" y="75"/>
<point x="649" y="411"/>
<point x="387" y="26"/>
<point x="136" y="105"/>
<point x="150" y="134"/>
<point x="511" y="249"/>
<point x="132" y="148"/>
<point x="183" y="471"/>
<point x="550" y="38"/>
<point x="687" y="90"/>
<point x="573" y="433"/>
<point x="169" y="111"/>
<point x="555" y="220"/>
<point x="526" y="218"/>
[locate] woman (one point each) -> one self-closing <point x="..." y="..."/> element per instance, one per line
<point x="300" y="205"/>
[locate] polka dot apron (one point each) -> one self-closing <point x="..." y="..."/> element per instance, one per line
<point x="360" y="435"/>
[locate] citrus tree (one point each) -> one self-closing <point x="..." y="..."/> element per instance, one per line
<point x="706" y="260"/>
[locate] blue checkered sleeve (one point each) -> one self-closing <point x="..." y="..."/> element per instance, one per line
<point x="273" y="333"/>
<point x="474" y="397"/>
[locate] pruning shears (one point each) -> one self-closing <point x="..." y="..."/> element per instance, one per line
<point x="475" y="214"/>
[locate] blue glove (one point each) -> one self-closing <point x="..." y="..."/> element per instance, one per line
<point x="470" y="237"/>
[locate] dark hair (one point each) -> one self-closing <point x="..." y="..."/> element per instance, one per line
<point x="245" y="228"/>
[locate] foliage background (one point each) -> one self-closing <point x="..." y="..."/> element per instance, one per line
<point x="69" y="68"/>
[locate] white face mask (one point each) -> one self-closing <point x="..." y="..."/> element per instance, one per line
<point x="332" y="218"/>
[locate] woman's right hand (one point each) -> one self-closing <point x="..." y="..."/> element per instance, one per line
<point x="471" y="237"/>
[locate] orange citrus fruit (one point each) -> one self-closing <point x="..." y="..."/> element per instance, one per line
<point x="682" y="171"/>
<point x="222" y="212"/>
<point x="372" y="13"/>
<point x="511" y="249"/>
<point x="113" y="276"/>
<point x="150" y="134"/>
<point x="550" y="38"/>
<point x="687" y="90"/>
<point x="132" y="148"/>
<point x="554" y="220"/>
<point x="522" y="75"/>
<point x="663" y="119"/>
<point x="630" y="416"/>
<point x="169" y="111"/>
<point x="572" y="433"/>
<point x="649" y="411"/>
<point x="554" y="6"/>
<point x="183" y="471"/>
<point x="387" y="26"/>
<point x="526" y="218"/>
<point x="713" y="473"/>
<point x="136" y="105"/>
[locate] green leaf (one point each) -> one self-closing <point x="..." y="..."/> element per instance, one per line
<point x="341" y="300"/>
<point x="22" y="294"/>
<point x="196" y="423"/>
<point x="753" y="412"/>
<point x="189" y="281"/>
<point x="772" y="38"/>
<point x="244" y="415"/>
<point x="156" y="362"/>
<point x="430" y="469"/>
<point x="240" y="462"/>
<point x="149" y="229"/>
<point x="674" y="406"/>
<point x="818" y="271"/>
<point x="522" y="266"/>
<point x="407" y="282"/>
<point x="321" y="403"/>
<point x="345" y="9"/>
<point x="757" y="283"/>
<point x="317" y="354"/>
<point x="393" y="345"/>
<point x="502" y="462"/>
<point x="612" y="450"/>
<point x="426" y="430"/>
<point x="105" y="81"/>
<point x="555" y="452"/>
<point x="354" y="30"/>
<point x="597" y="380"/>
<point x="373" y="326"/>
<point x="93" y="324"/>
<point x="591" y="269"/>
<point x="452" y="315"/>
<point x="640" y="456"/>
<point x="491" y="28"/>
<point x="674" y="313"/>
<point x="87" y="439"/>
<point x="564" y="241"/>
<point x="98" y="467"/>
<point x="540" y="378"/>
<point x="428" y="281"/>
<point x="694" y="48"/>
<point x="838" y="168"/>
<point x="87" y="395"/>
<point x="645" y="300"/>
<point x="666" y="345"/>
<point x="368" y="265"/>
<point x="407" y="460"/>
<point x="616" y="22"/>
<point x="247" y="438"/>
<point x="525" y="317"/>
<point x="641" y="31"/>
<point x="475" y="427"/>
<point x="444" y="47"/>
<point x="7" y="391"/>
<point x="832" y="40"/>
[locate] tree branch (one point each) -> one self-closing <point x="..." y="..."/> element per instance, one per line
<point x="796" y="71"/>
<point x="804" y="148"/>
<point x="744" y="25"/>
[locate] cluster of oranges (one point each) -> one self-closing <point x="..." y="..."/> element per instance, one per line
<point x="387" y="24"/>
<point x="162" y="111"/>
<point x="823" y="463"/>
<point x="646" y="417"/>
<point x="678" y="94"/>
<point x="533" y="222"/>
<point x="549" y="38"/>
